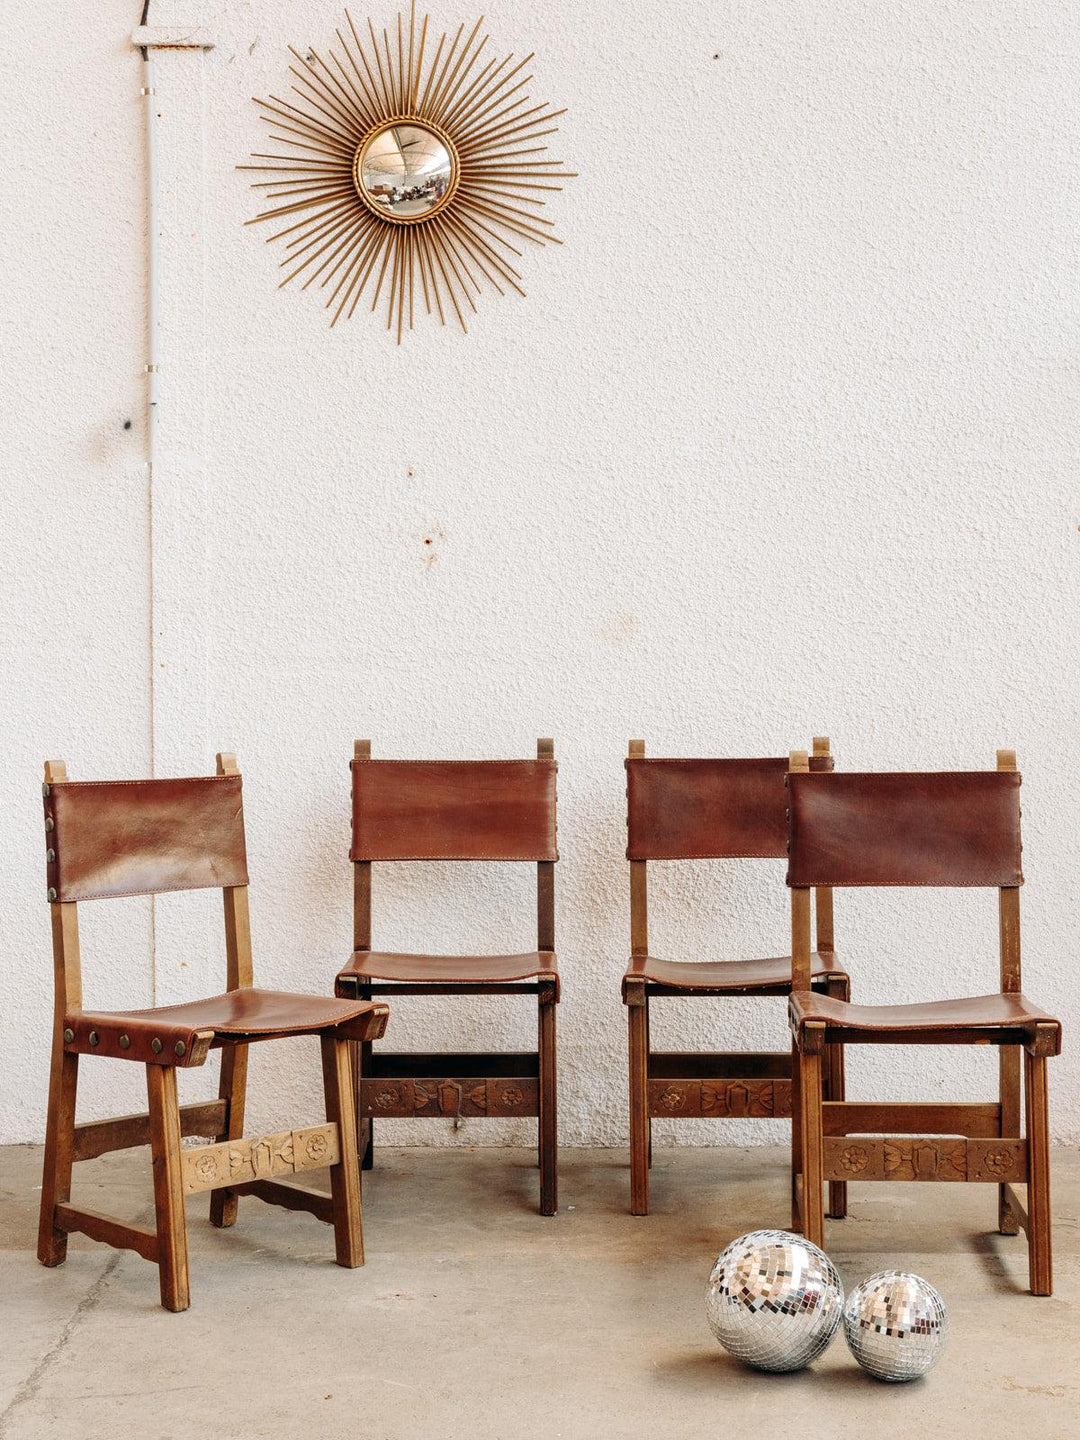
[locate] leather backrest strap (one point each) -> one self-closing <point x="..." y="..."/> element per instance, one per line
<point x="141" y="837"/>
<point x="708" y="809"/>
<point x="453" y="810"/>
<point x="941" y="828"/>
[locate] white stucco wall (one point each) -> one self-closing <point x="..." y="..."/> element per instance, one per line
<point x="795" y="453"/>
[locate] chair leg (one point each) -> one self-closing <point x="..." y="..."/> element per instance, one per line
<point x="366" y="1132"/>
<point x="796" y="1140"/>
<point x="648" y="1052"/>
<point x="225" y="1203"/>
<point x="168" y="1187"/>
<point x="812" y="1146"/>
<point x="1040" y="1260"/>
<point x="548" y="1121"/>
<point x="337" y="1066"/>
<point x="1009" y="1095"/>
<point x="639" y="1109"/>
<point x="365" y="1127"/>
<point x="59" y="1155"/>
<point x="834" y="1090"/>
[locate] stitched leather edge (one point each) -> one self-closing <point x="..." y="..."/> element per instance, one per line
<point x="379" y="760"/>
<point x="993" y="884"/>
<point x="705" y="760"/>
<point x="137" y="894"/>
<point x="166" y="779"/>
<point x="478" y="860"/>
<point x="709" y="855"/>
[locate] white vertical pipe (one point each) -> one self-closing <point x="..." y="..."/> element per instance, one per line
<point x="150" y="103"/>
<point x="175" y="478"/>
<point x="150" y="111"/>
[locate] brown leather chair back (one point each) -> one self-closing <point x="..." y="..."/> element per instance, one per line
<point x="109" y="838"/>
<point x="956" y="828"/>
<point x="708" y="809"/>
<point x="453" y="810"/>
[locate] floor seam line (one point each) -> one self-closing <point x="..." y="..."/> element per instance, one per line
<point x="32" y="1384"/>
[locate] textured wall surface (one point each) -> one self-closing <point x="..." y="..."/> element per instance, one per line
<point x="783" y="441"/>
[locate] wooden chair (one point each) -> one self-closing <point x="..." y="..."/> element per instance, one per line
<point x="142" y="837"/>
<point x="947" y="829"/>
<point x="701" y="810"/>
<point x="457" y="810"/>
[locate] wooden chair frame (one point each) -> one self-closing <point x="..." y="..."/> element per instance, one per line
<point x="495" y="1084"/>
<point x="670" y="1084"/>
<point x="177" y="1171"/>
<point x="987" y="1143"/>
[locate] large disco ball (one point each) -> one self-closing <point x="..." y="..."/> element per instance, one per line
<point x="896" y="1325"/>
<point x="774" y="1300"/>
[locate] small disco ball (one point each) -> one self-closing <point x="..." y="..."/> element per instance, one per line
<point x="896" y="1325"/>
<point x="774" y="1300"/>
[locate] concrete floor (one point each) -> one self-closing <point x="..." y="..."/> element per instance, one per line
<point x="474" y="1317"/>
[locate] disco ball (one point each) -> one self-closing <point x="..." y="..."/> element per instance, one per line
<point x="774" y="1300"/>
<point x="896" y="1325"/>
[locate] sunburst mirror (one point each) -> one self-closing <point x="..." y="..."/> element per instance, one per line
<point x="407" y="171"/>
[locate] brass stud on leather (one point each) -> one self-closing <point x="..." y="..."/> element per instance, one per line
<point x="95" y="1038"/>
<point x="125" y="1043"/>
<point x="69" y="1036"/>
<point x="50" y="856"/>
<point x="49" y="822"/>
<point x="45" y="788"/>
<point x="180" y="1048"/>
<point x="155" y="1045"/>
<point x="51" y="892"/>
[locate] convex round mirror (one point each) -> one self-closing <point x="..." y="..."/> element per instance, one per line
<point x="405" y="171"/>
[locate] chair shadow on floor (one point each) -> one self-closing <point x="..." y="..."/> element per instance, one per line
<point x="704" y="1370"/>
<point x="1002" y="1259"/>
<point x="394" y="1181"/>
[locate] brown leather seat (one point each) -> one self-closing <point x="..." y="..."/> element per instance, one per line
<point x="974" y="1013"/>
<point x="237" y="1016"/>
<point x="727" y="977"/>
<point x="452" y="969"/>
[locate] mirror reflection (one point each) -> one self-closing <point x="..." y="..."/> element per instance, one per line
<point x="405" y="172"/>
